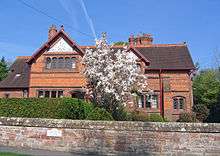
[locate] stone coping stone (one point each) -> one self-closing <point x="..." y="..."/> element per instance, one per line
<point x="112" y="125"/>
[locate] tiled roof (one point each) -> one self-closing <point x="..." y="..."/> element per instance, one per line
<point x="167" y="57"/>
<point x="163" y="56"/>
<point x="18" y="76"/>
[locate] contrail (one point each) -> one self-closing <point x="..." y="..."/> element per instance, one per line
<point x="88" y="19"/>
<point x="67" y="5"/>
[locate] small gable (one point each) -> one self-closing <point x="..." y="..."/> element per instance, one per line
<point x="61" y="46"/>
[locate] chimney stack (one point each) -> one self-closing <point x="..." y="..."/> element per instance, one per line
<point x="52" y="31"/>
<point x="144" y="39"/>
<point x="131" y="40"/>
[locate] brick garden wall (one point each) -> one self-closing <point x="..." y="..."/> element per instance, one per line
<point x="103" y="137"/>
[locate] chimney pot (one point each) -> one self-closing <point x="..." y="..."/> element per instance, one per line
<point x="131" y="40"/>
<point x="52" y="32"/>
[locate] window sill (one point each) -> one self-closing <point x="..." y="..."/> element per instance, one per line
<point x="73" y="70"/>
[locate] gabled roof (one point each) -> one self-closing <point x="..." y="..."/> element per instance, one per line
<point x="18" y="76"/>
<point x="50" y="42"/>
<point x="171" y="57"/>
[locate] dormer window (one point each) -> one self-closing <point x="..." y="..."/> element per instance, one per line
<point x="60" y="63"/>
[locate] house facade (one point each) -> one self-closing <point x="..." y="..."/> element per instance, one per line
<point x="55" y="71"/>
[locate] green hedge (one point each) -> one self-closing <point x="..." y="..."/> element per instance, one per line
<point x="60" y="108"/>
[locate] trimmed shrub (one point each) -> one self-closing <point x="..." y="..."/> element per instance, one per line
<point x="156" y="118"/>
<point x="99" y="114"/>
<point x="121" y="115"/>
<point x="187" y="117"/>
<point x="139" y="116"/>
<point x="60" y="108"/>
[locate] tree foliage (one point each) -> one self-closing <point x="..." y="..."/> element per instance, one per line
<point x="120" y="43"/>
<point x="206" y="88"/>
<point x="3" y="69"/>
<point x="206" y="92"/>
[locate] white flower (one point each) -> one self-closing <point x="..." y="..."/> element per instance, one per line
<point x="112" y="72"/>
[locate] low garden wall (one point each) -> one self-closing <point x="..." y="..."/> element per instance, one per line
<point x="111" y="137"/>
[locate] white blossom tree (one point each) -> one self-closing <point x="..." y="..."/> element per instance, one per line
<point x="112" y="74"/>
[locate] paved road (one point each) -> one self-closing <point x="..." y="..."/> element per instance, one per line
<point x="34" y="152"/>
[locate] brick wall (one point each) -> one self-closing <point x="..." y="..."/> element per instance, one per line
<point x="103" y="137"/>
<point x="42" y="78"/>
<point x="13" y="93"/>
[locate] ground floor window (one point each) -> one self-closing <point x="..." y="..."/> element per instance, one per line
<point x="178" y="102"/>
<point x="50" y="93"/>
<point x="147" y="101"/>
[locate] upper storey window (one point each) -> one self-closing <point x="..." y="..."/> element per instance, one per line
<point x="60" y="63"/>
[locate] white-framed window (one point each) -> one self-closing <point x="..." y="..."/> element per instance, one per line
<point x="60" y="63"/>
<point x="152" y="101"/>
<point x="50" y="93"/>
<point x="178" y="102"/>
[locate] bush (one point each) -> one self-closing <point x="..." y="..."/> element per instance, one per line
<point x="187" y="117"/>
<point x="121" y="115"/>
<point x="201" y="112"/>
<point x="156" y="118"/>
<point x="99" y="114"/>
<point x="62" y="108"/>
<point x="139" y="116"/>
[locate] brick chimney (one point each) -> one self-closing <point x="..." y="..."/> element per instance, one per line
<point x="52" y="31"/>
<point x="144" y="39"/>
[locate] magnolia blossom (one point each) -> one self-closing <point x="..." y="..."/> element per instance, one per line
<point x="112" y="72"/>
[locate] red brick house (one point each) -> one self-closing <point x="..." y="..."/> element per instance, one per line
<point x="54" y="71"/>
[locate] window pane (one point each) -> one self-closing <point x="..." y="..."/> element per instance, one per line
<point x="154" y="101"/>
<point x="48" y="63"/>
<point x="60" y="94"/>
<point x="40" y="94"/>
<point x="140" y="101"/>
<point x="73" y="61"/>
<point x="181" y="103"/>
<point x="53" y="94"/>
<point x="47" y="94"/>
<point x="175" y="103"/>
<point x="68" y="62"/>
<point x="148" y="101"/>
<point x="25" y="93"/>
<point x="60" y="63"/>
<point x="54" y="63"/>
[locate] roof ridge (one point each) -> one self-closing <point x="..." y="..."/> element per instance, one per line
<point x="162" y="45"/>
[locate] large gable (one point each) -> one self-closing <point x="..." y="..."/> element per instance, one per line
<point x="61" y="46"/>
<point x="59" y="42"/>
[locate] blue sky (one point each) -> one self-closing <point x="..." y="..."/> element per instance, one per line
<point x="197" y="22"/>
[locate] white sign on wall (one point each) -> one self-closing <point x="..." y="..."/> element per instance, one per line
<point x="54" y="133"/>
